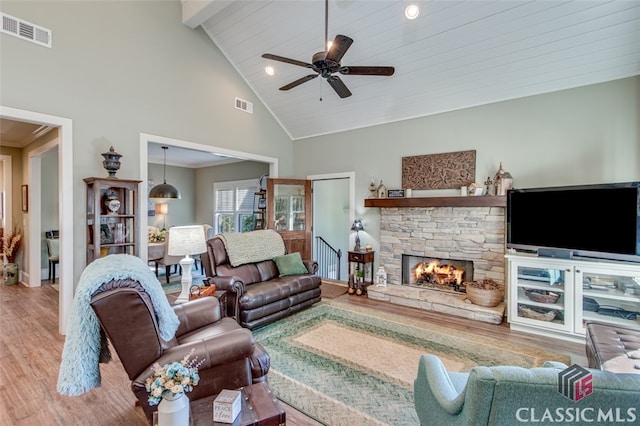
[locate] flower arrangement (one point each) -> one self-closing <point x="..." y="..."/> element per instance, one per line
<point x="10" y="245"/>
<point x="157" y="237"/>
<point x="173" y="379"/>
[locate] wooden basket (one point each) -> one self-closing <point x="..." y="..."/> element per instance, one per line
<point x="484" y="297"/>
<point x="541" y="296"/>
<point x="536" y="315"/>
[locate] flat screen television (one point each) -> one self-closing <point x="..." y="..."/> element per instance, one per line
<point x="595" y="221"/>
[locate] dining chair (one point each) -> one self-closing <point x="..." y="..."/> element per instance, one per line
<point x="53" y="252"/>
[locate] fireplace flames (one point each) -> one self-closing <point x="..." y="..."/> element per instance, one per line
<point x="435" y="273"/>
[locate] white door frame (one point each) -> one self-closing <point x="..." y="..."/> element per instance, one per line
<point x="65" y="177"/>
<point x="351" y="176"/>
<point x="352" y="187"/>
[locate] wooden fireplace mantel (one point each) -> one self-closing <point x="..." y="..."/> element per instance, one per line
<point x="469" y="201"/>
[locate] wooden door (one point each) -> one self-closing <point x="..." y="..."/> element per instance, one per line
<point x="289" y="213"/>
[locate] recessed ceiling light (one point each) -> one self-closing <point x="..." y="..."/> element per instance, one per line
<point x="269" y="70"/>
<point x="412" y="11"/>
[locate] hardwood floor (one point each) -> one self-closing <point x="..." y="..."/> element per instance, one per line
<point x="31" y="349"/>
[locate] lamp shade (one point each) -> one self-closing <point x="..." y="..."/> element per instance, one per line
<point x="162" y="208"/>
<point x="186" y="240"/>
<point x="357" y="225"/>
<point x="164" y="190"/>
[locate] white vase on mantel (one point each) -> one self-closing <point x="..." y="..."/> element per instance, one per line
<point x="173" y="410"/>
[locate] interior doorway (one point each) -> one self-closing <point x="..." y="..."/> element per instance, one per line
<point x="33" y="217"/>
<point x="333" y="213"/>
<point x="44" y="177"/>
<point x="146" y="139"/>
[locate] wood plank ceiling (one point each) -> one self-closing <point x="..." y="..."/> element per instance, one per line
<point x="456" y="54"/>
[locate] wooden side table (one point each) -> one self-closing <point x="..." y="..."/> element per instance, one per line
<point x="259" y="408"/>
<point x="360" y="271"/>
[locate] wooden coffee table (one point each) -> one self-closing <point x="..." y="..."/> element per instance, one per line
<point x="259" y="408"/>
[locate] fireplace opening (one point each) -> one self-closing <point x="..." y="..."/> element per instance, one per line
<point x="440" y="274"/>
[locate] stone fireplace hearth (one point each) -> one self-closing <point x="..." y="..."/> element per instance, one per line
<point x="474" y="234"/>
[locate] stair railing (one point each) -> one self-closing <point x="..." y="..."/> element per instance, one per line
<point x="328" y="259"/>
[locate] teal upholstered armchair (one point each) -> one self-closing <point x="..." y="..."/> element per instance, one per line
<point x="514" y="395"/>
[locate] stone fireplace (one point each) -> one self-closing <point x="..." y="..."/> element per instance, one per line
<point x="467" y="236"/>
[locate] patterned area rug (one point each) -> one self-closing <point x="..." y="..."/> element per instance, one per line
<point x="347" y="365"/>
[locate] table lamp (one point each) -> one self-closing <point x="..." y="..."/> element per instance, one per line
<point x="186" y="241"/>
<point x="163" y="209"/>
<point x="357" y="226"/>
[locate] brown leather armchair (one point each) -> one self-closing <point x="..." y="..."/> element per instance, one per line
<point x="231" y="356"/>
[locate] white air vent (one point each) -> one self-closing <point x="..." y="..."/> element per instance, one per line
<point x="243" y="105"/>
<point x="25" y="30"/>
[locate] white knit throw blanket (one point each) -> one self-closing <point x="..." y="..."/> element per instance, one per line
<point x="79" y="369"/>
<point x="251" y="247"/>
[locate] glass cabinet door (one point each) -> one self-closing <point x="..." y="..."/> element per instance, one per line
<point x="608" y="296"/>
<point x="543" y="296"/>
<point x="289" y="208"/>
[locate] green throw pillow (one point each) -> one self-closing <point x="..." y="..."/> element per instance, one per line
<point x="290" y="264"/>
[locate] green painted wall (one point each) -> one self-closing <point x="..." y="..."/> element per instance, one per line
<point x="578" y="136"/>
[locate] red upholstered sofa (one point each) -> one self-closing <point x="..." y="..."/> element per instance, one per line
<point x="258" y="294"/>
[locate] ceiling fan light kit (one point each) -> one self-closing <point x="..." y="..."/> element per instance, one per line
<point x="327" y="63"/>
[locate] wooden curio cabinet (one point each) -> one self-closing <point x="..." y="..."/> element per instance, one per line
<point x="112" y="220"/>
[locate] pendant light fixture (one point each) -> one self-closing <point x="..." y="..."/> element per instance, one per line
<point x="164" y="190"/>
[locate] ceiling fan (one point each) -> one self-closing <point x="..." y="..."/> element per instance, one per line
<point x="327" y="63"/>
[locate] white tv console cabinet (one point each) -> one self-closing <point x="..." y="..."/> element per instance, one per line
<point x="603" y="291"/>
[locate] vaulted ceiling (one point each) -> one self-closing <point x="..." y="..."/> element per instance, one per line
<point x="456" y="54"/>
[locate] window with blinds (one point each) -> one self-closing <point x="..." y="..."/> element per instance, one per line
<point x="233" y="205"/>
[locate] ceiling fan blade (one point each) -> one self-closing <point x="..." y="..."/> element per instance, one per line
<point x="338" y="48"/>
<point x="287" y="60"/>
<point x="338" y="86"/>
<point x="299" y="81"/>
<point x="385" y="71"/>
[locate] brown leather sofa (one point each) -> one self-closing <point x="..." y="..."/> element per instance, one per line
<point x="231" y="356"/>
<point x="259" y="295"/>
